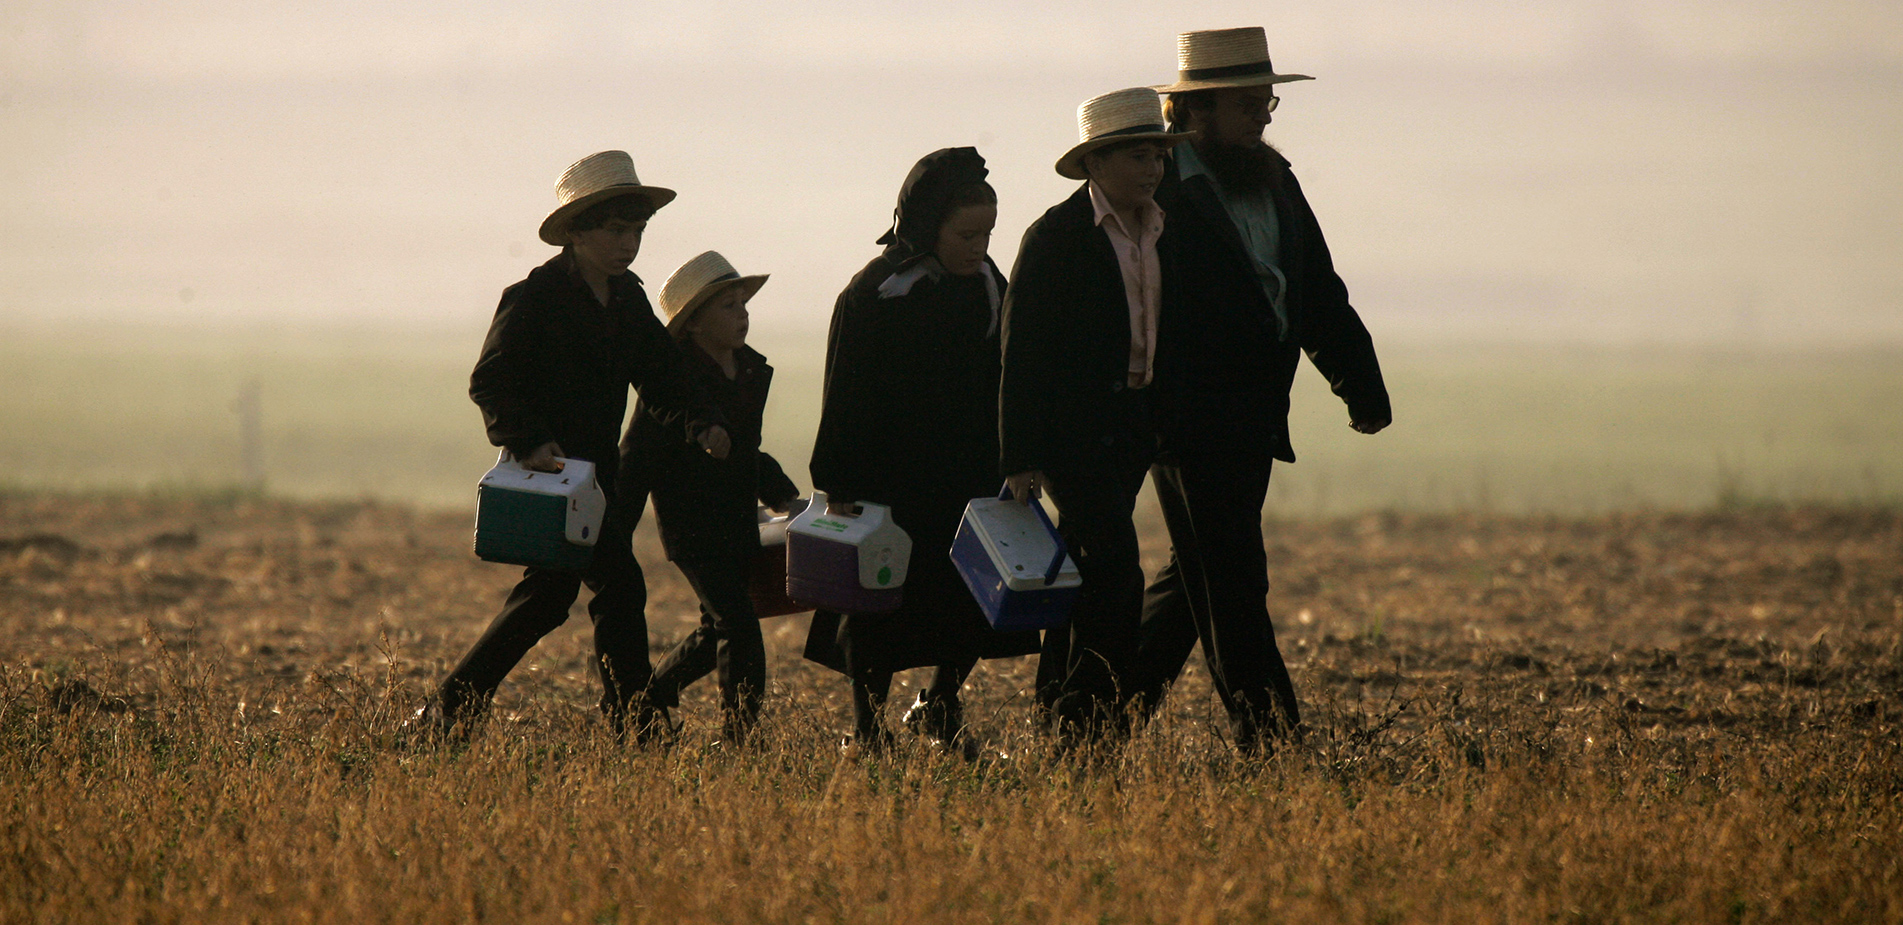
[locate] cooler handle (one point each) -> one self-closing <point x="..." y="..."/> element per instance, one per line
<point x="1057" y="561"/>
<point x="506" y="456"/>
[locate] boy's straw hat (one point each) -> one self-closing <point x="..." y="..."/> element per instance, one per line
<point x="696" y="281"/>
<point x="1219" y="58"/>
<point x="1135" y="114"/>
<point x="596" y="178"/>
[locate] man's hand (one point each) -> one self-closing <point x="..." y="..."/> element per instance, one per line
<point x="543" y="458"/>
<point x="1026" y="485"/>
<point x="716" y="442"/>
<point x="1368" y="425"/>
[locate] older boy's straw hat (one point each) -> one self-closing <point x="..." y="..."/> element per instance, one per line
<point x="698" y="280"/>
<point x="1219" y="58"/>
<point x="1135" y="114"/>
<point x="596" y="178"/>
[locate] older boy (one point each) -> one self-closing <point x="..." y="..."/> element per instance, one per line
<point x="552" y="382"/>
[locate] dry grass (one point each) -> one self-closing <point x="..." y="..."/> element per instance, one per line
<point x="1644" y="717"/>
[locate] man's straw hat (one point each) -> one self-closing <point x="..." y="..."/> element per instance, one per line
<point x="1135" y="114"/>
<point x="596" y="178"/>
<point x="698" y="280"/>
<point x="1224" y="58"/>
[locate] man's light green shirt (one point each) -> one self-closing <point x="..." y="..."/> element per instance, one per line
<point x="1254" y="218"/>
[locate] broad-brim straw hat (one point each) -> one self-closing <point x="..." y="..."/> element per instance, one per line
<point x="596" y="178"/>
<point x="1135" y="114"/>
<point x="1218" y="58"/>
<point x="698" y="280"/>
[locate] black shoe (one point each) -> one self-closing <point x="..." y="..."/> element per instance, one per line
<point x="736" y="732"/>
<point x="872" y="745"/>
<point x="643" y="722"/>
<point x="940" y="719"/>
<point x="430" y="726"/>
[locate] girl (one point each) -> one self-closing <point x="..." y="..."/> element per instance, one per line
<point x="910" y="420"/>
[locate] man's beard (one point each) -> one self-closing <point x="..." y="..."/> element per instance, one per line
<point x="1248" y="168"/>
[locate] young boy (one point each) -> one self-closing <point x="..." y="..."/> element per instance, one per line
<point x="552" y="382"/>
<point x="705" y="506"/>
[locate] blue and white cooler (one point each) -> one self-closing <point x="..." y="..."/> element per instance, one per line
<point x="541" y="519"/>
<point x="1015" y="564"/>
<point x="852" y="563"/>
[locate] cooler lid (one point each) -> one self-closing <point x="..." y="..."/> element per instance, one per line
<point x="577" y="475"/>
<point x="1018" y="544"/>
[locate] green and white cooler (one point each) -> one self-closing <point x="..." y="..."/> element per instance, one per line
<point x="540" y="519"/>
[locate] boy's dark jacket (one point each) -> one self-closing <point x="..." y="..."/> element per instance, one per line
<point x="705" y="507"/>
<point x="557" y="365"/>
<point x="1066" y="342"/>
<point x="1223" y="371"/>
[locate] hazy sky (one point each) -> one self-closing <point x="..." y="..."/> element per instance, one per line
<point x="1601" y="171"/>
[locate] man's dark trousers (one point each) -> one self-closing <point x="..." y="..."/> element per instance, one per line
<point x="540" y="603"/>
<point x="1214" y="590"/>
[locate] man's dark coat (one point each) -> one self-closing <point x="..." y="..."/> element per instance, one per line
<point x="1222" y="369"/>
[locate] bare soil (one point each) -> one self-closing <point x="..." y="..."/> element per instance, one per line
<point x="1572" y="669"/>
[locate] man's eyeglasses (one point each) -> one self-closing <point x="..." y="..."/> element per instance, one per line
<point x="1252" y="105"/>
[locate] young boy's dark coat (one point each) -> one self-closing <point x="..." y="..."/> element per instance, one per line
<point x="705" y="507"/>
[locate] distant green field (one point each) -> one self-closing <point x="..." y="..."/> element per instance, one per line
<point x="1506" y="428"/>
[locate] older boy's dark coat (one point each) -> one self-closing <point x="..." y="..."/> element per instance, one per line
<point x="557" y="365"/>
<point x="1066" y="342"/>
<point x="1222" y="368"/>
<point x="705" y="506"/>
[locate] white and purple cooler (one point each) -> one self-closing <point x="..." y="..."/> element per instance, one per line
<point x="851" y="563"/>
<point x="1015" y="564"/>
<point x="540" y="519"/>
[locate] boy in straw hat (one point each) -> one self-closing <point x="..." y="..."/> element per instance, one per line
<point x="1075" y="401"/>
<point x="705" y="506"/>
<point x="1251" y="288"/>
<point x="552" y="382"/>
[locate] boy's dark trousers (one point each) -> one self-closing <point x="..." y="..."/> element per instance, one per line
<point x="1095" y="500"/>
<point x="728" y="641"/>
<point x="1214" y="590"/>
<point x="539" y="604"/>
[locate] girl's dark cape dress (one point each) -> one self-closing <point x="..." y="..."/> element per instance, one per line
<point x="910" y="420"/>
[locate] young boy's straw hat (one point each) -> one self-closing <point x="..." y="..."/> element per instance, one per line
<point x="698" y="280"/>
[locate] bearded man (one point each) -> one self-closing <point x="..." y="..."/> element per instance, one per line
<point x="1250" y="288"/>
